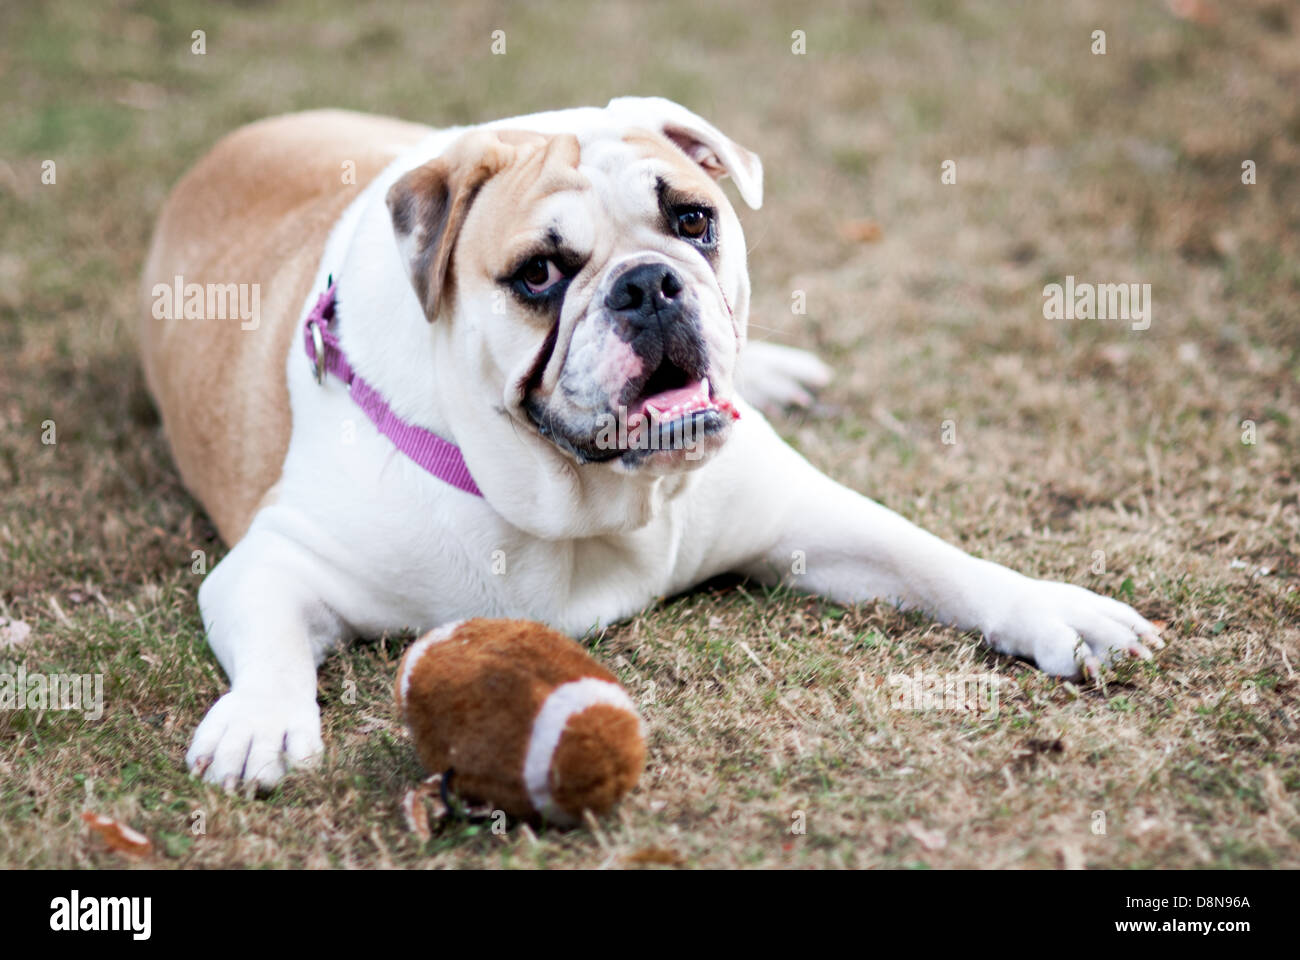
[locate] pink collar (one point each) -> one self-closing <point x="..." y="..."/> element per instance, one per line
<point x="430" y="451"/>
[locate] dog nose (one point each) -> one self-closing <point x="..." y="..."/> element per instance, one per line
<point x="645" y="290"/>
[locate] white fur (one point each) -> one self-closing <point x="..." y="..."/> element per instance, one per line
<point x="360" y="540"/>
<point x="565" y="702"/>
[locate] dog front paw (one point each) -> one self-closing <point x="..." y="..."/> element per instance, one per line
<point x="774" y="377"/>
<point x="255" y="738"/>
<point x="1067" y="630"/>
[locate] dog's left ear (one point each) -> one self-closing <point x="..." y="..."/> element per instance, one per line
<point x="704" y="143"/>
<point x="430" y="203"/>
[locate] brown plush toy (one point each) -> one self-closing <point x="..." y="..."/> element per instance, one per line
<point x="528" y="722"/>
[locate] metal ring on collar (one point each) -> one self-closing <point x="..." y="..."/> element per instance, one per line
<point x="319" y="344"/>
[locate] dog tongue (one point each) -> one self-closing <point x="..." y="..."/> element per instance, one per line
<point x="690" y="397"/>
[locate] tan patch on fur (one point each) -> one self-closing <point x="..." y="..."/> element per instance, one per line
<point x="258" y="208"/>
<point x="495" y="175"/>
<point x="692" y="174"/>
<point x="471" y="705"/>
<point x="432" y="202"/>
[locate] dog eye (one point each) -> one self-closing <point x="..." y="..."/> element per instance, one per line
<point x="695" y="223"/>
<point x="539" y="274"/>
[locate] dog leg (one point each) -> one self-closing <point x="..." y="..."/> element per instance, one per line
<point x="826" y="539"/>
<point x="269" y="629"/>
<point x="774" y="377"/>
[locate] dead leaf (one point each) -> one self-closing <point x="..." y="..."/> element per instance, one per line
<point x="861" y="231"/>
<point x="431" y="787"/>
<point x="13" y="633"/>
<point x="417" y="815"/>
<point x="930" y="839"/>
<point x="655" y="855"/>
<point x="1197" y="11"/>
<point x="118" y="836"/>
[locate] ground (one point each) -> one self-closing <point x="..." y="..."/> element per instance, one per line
<point x="1158" y="465"/>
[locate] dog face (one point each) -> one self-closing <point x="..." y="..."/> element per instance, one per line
<point x="597" y="280"/>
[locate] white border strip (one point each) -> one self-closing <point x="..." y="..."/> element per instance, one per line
<point x="565" y="701"/>
<point x="416" y="651"/>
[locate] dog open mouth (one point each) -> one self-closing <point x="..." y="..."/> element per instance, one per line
<point x="678" y="403"/>
<point x="675" y="412"/>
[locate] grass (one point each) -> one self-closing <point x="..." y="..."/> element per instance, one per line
<point x="1085" y="450"/>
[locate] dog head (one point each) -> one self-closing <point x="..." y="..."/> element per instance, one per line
<point x="595" y="281"/>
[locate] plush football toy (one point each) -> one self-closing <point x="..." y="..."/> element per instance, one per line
<point x="524" y="718"/>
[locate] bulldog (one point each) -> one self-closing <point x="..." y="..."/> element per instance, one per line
<point x="494" y="372"/>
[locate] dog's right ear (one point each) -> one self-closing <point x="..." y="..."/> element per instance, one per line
<point x="704" y="143"/>
<point x="430" y="203"/>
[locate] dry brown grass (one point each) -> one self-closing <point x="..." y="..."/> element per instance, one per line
<point x="1073" y="436"/>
